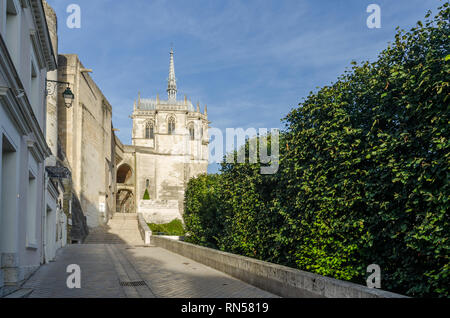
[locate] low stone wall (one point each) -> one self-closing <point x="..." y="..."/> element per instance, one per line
<point x="159" y="212"/>
<point x="145" y="231"/>
<point x="280" y="280"/>
<point x="172" y="237"/>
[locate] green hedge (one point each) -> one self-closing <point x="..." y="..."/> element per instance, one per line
<point x="146" y="195"/>
<point x="363" y="176"/>
<point x="173" y="228"/>
<point x="200" y="211"/>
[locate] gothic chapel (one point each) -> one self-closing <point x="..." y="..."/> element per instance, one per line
<point x="169" y="146"/>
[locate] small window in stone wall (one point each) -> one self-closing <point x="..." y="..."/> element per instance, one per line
<point x="192" y="132"/>
<point x="171" y="126"/>
<point x="149" y="131"/>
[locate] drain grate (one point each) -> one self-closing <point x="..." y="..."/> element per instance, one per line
<point x="133" y="284"/>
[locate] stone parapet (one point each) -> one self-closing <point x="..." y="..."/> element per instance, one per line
<point x="280" y="280"/>
<point x="145" y="231"/>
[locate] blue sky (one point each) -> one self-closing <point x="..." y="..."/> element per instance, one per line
<point x="250" y="61"/>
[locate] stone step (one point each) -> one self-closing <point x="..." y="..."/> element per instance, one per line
<point x="122" y="229"/>
<point x="9" y="289"/>
<point x="102" y="240"/>
<point x="124" y="216"/>
<point x="20" y="293"/>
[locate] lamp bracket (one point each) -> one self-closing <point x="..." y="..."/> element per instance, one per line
<point x="52" y="86"/>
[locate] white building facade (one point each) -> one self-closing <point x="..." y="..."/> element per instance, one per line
<point x="169" y="146"/>
<point x="55" y="220"/>
<point x="26" y="55"/>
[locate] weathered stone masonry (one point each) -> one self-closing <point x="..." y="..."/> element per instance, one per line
<point x="170" y="146"/>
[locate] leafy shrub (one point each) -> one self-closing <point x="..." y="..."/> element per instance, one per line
<point x="200" y="211"/>
<point x="370" y="156"/>
<point x="173" y="228"/>
<point x="363" y="176"/>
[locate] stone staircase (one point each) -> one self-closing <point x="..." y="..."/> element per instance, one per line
<point x="121" y="229"/>
<point x="125" y="216"/>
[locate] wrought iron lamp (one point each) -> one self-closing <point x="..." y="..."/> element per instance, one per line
<point x="68" y="97"/>
<point x="67" y="94"/>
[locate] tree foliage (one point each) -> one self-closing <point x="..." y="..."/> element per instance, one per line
<point x="363" y="176"/>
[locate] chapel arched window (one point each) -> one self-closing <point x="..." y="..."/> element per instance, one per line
<point x="171" y="126"/>
<point x="191" y="132"/>
<point x="149" y="131"/>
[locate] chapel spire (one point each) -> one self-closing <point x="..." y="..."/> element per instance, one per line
<point x="172" y="82"/>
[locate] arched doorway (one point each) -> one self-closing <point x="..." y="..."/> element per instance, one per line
<point x="125" y="201"/>
<point x="124" y="174"/>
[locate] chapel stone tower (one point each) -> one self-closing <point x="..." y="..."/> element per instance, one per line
<point x="170" y="142"/>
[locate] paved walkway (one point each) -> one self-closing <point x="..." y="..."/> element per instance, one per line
<point x="119" y="271"/>
<point x="115" y="263"/>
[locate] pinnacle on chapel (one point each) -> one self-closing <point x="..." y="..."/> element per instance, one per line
<point x="172" y="82"/>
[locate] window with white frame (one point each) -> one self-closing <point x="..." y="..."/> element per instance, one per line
<point x="8" y="192"/>
<point x="34" y="89"/>
<point x="12" y="30"/>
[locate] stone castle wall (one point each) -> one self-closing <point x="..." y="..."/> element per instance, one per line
<point x="87" y="139"/>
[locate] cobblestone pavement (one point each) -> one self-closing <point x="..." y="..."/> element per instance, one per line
<point x="121" y="270"/>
